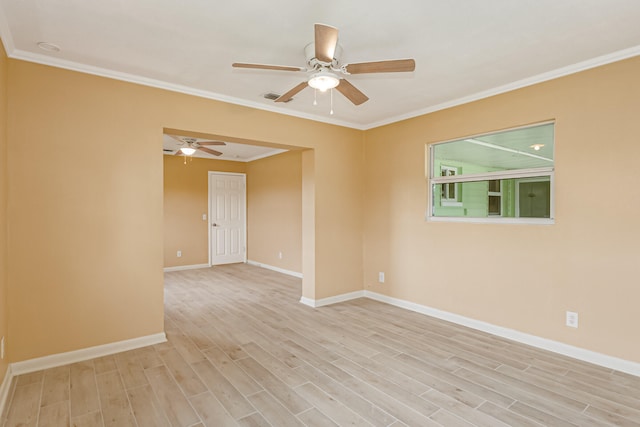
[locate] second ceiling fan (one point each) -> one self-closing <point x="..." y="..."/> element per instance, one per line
<point x="323" y="60"/>
<point x="188" y="146"/>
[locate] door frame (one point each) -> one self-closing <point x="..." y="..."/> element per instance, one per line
<point x="244" y="225"/>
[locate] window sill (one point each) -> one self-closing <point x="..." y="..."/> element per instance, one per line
<point x="494" y="220"/>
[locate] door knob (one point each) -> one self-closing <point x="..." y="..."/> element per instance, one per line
<point x="214" y="225"/>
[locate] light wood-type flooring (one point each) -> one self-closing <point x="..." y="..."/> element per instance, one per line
<point x="242" y="351"/>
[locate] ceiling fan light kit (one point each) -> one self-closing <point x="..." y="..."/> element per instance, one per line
<point x="323" y="81"/>
<point x="187" y="151"/>
<point x="323" y="58"/>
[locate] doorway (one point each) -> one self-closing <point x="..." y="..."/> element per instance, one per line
<point x="227" y="218"/>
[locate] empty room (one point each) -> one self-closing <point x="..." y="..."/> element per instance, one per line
<point x="328" y="214"/>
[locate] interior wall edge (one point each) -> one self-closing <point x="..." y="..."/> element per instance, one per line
<point x="5" y="390"/>
<point x="4" y="203"/>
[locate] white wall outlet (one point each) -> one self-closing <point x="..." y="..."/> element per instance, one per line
<point x="2" y="348"/>
<point x="179" y="254"/>
<point x="381" y="277"/>
<point x="280" y="255"/>
<point x="204" y="217"/>
<point x="572" y="319"/>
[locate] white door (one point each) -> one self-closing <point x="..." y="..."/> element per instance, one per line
<point x="227" y="212"/>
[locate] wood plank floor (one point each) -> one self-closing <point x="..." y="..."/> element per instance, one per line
<point x="242" y="351"/>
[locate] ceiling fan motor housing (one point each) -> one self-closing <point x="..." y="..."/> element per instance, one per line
<point x="314" y="63"/>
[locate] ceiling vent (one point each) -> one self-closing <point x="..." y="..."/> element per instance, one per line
<point x="273" y="96"/>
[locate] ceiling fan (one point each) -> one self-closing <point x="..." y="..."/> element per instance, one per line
<point x="323" y="60"/>
<point x="190" y="145"/>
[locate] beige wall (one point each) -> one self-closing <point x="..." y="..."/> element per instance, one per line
<point x="185" y="200"/>
<point x="85" y="208"/>
<point x="274" y="211"/>
<point x="86" y="203"/>
<point x="3" y="204"/>
<point x="523" y="277"/>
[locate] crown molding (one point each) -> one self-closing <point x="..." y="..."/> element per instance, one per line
<point x="14" y="53"/>
<point x="519" y="84"/>
<point x="159" y="84"/>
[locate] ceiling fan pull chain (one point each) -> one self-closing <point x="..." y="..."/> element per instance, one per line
<point x="315" y="96"/>
<point x="331" y="112"/>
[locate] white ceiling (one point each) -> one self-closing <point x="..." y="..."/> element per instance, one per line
<point x="464" y="49"/>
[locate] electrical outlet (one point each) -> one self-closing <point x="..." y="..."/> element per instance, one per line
<point x="572" y="319"/>
<point x="381" y="277"/>
<point x="280" y="255"/>
<point x="204" y="217"/>
<point x="179" y="254"/>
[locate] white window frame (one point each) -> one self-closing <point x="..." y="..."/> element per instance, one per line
<point x="450" y="201"/>
<point x="521" y="174"/>
<point x="495" y="194"/>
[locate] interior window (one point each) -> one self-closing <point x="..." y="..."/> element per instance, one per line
<point x="504" y="176"/>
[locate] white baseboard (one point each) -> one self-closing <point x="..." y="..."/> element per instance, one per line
<point x="315" y="303"/>
<point x="600" y="359"/>
<point x="278" y="269"/>
<point x="61" y="359"/>
<point x="186" y="267"/>
<point x="589" y="356"/>
<point x="5" y="389"/>
<point x="308" y="301"/>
